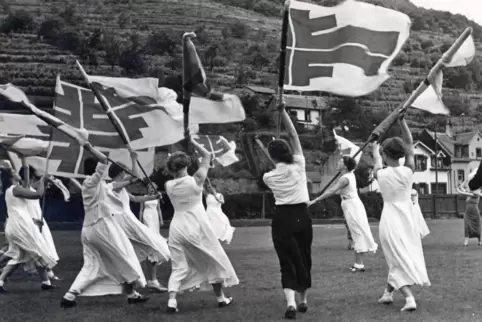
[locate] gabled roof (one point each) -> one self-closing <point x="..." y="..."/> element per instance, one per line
<point x="261" y="90"/>
<point x="445" y="141"/>
<point x="305" y="102"/>
<point x="424" y="146"/>
<point x="465" y="138"/>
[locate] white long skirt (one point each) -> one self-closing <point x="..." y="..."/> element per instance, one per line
<point x="198" y="259"/>
<point x="220" y="223"/>
<point x="150" y="218"/>
<point x="356" y="218"/>
<point x="49" y="241"/>
<point x="420" y="221"/>
<point x="109" y="260"/>
<point x="147" y="244"/>
<point x="402" y="246"/>
<point x="26" y="245"/>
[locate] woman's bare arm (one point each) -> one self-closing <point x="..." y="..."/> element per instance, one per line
<point x="291" y="130"/>
<point x="21" y="192"/>
<point x="202" y="172"/>
<point x="408" y="140"/>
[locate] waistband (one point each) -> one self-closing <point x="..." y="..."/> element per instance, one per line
<point x="296" y="205"/>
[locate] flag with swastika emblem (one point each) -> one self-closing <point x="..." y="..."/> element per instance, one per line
<point x="345" y="50"/>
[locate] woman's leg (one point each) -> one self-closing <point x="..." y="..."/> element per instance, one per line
<point x="222" y="300"/>
<point x="410" y="304"/>
<point x="7" y="271"/>
<point x="44" y="278"/>
<point x="387" y="297"/>
<point x="152" y="282"/>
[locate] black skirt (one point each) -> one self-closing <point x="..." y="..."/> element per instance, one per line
<point x="292" y="233"/>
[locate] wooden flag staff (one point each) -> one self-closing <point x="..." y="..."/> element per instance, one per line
<point x="282" y="61"/>
<point x="392" y="118"/>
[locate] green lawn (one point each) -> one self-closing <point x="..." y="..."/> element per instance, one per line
<point x="337" y="295"/>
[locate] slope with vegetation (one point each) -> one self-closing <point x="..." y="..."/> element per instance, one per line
<point x="238" y="42"/>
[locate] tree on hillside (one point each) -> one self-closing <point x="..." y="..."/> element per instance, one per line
<point x="209" y="55"/>
<point x="113" y="47"/>
<point x="50" y="29"/>
<point x="17" y="22"/>
<point x="160" y="42"/>
<point x="457" y="105"/>
<point x="239" y="30"/>
<point x="69" y="14"/>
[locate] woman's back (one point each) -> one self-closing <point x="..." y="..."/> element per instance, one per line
<point x="16" y="206"/>
<point x="395" y="183"/>
<point x="184" y="193"/>
<point x="349" y="191"/>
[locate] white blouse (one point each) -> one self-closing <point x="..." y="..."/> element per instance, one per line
<point x="288" y="182"/>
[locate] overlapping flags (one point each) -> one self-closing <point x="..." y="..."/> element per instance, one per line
<point x="222" y="149"/>
<point x="66" y="154"/>
<point x="24" y="146"/>
<point x="431" y="99"/>
<point x="345" y="50"/>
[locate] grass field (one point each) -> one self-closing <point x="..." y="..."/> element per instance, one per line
<point x="337" y="294"/>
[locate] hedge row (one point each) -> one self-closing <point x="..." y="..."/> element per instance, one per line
<point x="237" y="206"/>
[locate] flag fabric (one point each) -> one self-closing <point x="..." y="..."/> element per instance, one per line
<point x="63" y="189"/>
<point x="346" y="147"/>
<point x="133" y="108"/>
<point x="24" y="146"/>
<point x="345" y="50"/>
<point x="66" y="156"/>
<point x="222" y="149"/>
<point x="206" y="105"/>
<point x="431" y="99"/>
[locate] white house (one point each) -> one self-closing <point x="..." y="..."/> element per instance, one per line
<point x="307" y="109"/>
<point x="426" y="176"/>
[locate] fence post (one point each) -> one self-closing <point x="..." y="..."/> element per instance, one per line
<point x="263" y="208"/>
<point x="434" y="211"/>
<point x="456" y="206"/>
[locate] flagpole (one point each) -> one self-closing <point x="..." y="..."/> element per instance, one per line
<point x="387" y="123"/>
<point x="186" y="92"/>
<point x="106" y="108"/>
<point x="44" y="197"/>
<point x="282" y="60"/>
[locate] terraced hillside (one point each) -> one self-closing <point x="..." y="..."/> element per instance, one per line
<point x="238" y="41"/>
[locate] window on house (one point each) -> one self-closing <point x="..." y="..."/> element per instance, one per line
<point x="307" y="116"/>
<point x="461" y="151"/>
<point x="460" y="176"/>
<point x="420" y="162"/>
<point x="440" y="163"/>
<point x="423" y="188"/>
<point x="440" y="188"/>
<point x="478" y="153"/>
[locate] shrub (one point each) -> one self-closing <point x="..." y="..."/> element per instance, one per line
<point x="219" y="61"/>
<point x="17" y="22"/>
<point x="267" y="8"/>
<point x="239" y="30"/>
<point x="51" y="28"/>
<point x="160" y="43"/>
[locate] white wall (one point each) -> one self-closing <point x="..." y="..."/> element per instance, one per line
<point x="428" y="176"/>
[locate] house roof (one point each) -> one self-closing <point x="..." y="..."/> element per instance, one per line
<point x="261" y="90"/>
<point x="424" y="146"/>
<point x="445" y="141"/>
<point x="305" y="102"/>
<point x="464" y="138"/>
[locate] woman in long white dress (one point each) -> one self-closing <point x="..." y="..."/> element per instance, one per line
<point x="418" y="215"/>
<point x="151" y="213"/>
<point x="354" y="211"/>
<point x="219" y="221"/>
<point x="399" y="233"/>
<point x="150" y="246"/>
<point x="26" y="245"/>
<point x="36" y="213"/>
<point x="198" y="259"/>
<point x="472" y="228"/>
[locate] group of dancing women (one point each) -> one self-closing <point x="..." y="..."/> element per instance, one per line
<point x="116" y="243"/>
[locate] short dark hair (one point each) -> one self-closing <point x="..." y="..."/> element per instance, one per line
<point x="32" y="173"/>
<point x="177" y="161"/>
<point x="90" y="164"/>
<point x="349" y="162"/>
<point x="114" y="170"/>
<point x="394" y="148"/>
<point x="280" y="151"/>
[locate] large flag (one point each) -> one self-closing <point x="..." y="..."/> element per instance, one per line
<point x="133" y="111"/>
<point x="24" y="146"/>
<point x="431" y="99"/>
<point x="345" y="50"/>
<point x="69" y="123"/>
<point x="206" y="105"/>
<point x="347" y="147"/>
<point x="222" y="149"/>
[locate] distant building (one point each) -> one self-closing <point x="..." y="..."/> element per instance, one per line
<point x="308" y="109"/>
<point x="426" y="170"/>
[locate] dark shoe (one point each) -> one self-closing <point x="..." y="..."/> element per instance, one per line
<point x="302" y="308"/>
<point x="139" y="299"/>
<point x="226" y="303"/>
<point x="355" y="269"/>
<point x="67" y="304"/>
<point x="46" y="287"/>
<point x="171" y="310"/>
<point x="290" y="313"/>
<point x="3" y="290"/>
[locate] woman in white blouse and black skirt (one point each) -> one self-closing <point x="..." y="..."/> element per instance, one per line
<point x="291" y="228"/>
